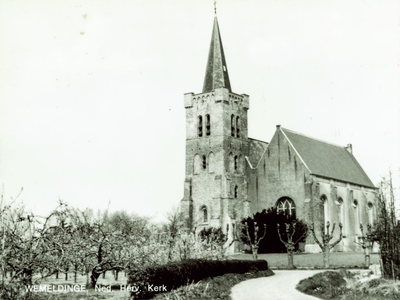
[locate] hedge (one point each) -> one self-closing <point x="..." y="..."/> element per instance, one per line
<point x="146" y="282"/>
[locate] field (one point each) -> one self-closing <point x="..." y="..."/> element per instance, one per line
<point x="314" y="260"/>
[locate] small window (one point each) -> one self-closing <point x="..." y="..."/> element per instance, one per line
<point x="233" y="125"/>
<point x="355" y="203"/>
<point x="236" y="191"/>
<point x="370" y="205"/>
<point x="236" y="162"/>
<point x="237" y="127"/>
<point x="339" y="201"/>
<point x="204" y="162"/>
<point x="208" y="125"/>
<point x="200" y="126"/>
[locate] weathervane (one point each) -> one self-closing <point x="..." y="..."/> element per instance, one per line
<point x="215" y="7"/>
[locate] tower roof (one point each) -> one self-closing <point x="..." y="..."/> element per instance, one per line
<point x="217" y="70"/>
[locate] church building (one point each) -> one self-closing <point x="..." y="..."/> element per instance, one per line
<point x="230" y="176"/>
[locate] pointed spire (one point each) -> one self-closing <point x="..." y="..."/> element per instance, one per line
<point x="217" y="70"/>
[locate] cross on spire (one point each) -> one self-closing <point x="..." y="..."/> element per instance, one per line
<point x="215" y="7"/>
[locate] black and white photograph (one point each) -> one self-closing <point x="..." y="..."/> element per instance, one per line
<point x="199" y="149"/>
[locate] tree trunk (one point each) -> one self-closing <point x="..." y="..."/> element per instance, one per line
<point x="75" y="276"/>
<point x="290" y="260"/>
<point x="93" y="278"/>
<point x="326" y="257"/>
<point x="255" y="253"/>
<point x="367" y="256"/>
<point x="66" y="276"/>
<point x="87" y="279"/>
<point x="104" y="275"/>
<point x="56" y="274"/>
<point x="116" y="275"/>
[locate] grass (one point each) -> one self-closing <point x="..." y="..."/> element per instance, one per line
<point x="344" y="285"/>
<point x="313" y="260"/>
<point x="212" y="288"/>
<point x="326" y="285"/>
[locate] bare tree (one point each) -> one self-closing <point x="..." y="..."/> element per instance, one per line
<point x="387" y="231"/>
<point x="366" y="242"/>
<point x="326" y="238"/>
<point x="255" y="241"/>
<point x="290" y="244"/>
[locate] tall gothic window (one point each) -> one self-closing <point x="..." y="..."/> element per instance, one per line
<point x="236" y="191"/>
<point x="204" y="214"/>
<point x="370" y="213"/>
<point x="322" y="210"/>
<point x="286" y="205"/>
<point x="208" y="125"/>
<point x="236" y="162"/>
<point x="237" y="127"/>
<point x="204" y="162"/>
<point x="233" y="125"/>
<point x="200" y="126"/>
<point x="357" y="216"/>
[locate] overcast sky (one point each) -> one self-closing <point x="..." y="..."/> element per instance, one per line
<point x="91" y="92"/>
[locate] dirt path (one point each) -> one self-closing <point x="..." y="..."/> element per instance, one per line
<point x="281" y="286"/>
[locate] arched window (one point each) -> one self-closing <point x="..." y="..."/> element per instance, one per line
<point x="200" y="126"/>
<point x="356" y="215"/>
<point x="204" y="162"/>
<point x="208" y="125"/>
<point x="339" y="203"/>
<point x="211" y="163"/>
<point x="286" y="205"/>
<point x="237" y="127"/>
<point x="322" y="210"/>
<point x="233" y="125"/>
<point x="236" y="162"/>
<point x="196" y="164"/>
<point x="370" y="213"/>
<point x="204" y="214"/>
<point x="236" y="191"/>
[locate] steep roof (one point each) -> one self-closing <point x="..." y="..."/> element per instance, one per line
<point x="257" y="150"/>
<point x="217" y="70"/>
<point x="328" y="160"/>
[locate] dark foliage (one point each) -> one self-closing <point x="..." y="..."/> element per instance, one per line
<point x="176" y="274"/>
<point x="212" y="235"/>
<point x="271" y="242"/>
<point x="326" y="285"/>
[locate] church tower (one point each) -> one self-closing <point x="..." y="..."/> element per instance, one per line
<point x="215" y="188"/>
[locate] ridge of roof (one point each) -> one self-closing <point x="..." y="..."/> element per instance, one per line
<point x="316" y="139"/>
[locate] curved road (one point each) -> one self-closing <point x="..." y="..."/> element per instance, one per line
<point x="281" y="286"/>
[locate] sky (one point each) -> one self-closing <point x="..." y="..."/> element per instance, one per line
<point x="91" y="92"/>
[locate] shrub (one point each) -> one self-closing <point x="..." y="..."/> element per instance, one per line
<point x="271" y="242"/>
<point x="176" y="274"/>
<point x="326" y="285"/>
